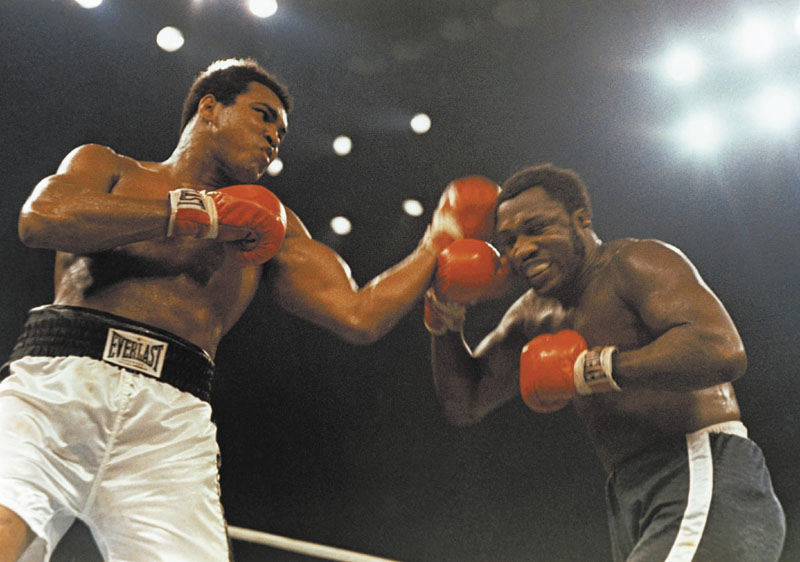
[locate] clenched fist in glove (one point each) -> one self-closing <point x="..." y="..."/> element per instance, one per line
<point x="249" y="215"/>
<point x="468" y="270"/>
<point x="465" y="210"/>
<point x="556" y="367"/>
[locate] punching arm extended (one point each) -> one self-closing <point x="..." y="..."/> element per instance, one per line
<point x="313" y="282"/>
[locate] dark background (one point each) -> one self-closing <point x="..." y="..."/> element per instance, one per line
<point x="345" y="445"/>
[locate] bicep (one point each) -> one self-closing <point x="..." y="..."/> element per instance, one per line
<point x="311" y="281"/>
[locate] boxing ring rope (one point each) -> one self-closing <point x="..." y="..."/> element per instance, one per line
<point x="301" y="547"/>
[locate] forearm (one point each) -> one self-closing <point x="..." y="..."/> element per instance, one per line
<point x="682" y="359"/>
<point x="91" y="222"/>
<point x="385" y="300"/>
<point x="456" y="378"/>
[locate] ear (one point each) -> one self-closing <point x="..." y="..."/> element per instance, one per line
<point x="206" y="106"/>
<point x="581" y="216"/>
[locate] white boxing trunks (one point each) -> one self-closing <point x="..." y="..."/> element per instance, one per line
<point x="133" y="457"/>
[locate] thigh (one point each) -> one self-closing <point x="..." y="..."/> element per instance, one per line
<point x="15" y="535"/>
<point x="158" y="497"/>
<point x="50" y="442"/>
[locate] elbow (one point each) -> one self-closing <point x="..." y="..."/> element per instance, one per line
<point x="31" y="228"/>
<point x="731" y="360"/>
<point x="736" y="363"/>
<point x="361" y="330"/>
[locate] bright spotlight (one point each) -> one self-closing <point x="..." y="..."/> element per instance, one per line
<point x="342" y="145"/>
<point x="88" y="4"/>
<point x="412" y="207"/>
<point x="263" y="8"/>
<point x="275" y="167"/>
<point x="755" y="38"/>
<point x="683" y="64"/>
<point x="170" y="39"/>
<point x="420" y="123"/>
<point x="341" y="225"/>
<point x="701" y="132"/>
<point x="777" y="108"/>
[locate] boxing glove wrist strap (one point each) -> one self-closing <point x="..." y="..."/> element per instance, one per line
<point x="592" y="371"/>
<point x="192" y="213"/>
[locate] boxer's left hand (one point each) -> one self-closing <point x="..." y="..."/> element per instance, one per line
<point x="556" y="367"/>
<point x="465" y="210"/>
<point x="254" y="218"/>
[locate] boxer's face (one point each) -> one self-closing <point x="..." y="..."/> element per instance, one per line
<point x="249" y="132"/>
<point x="541" y="239"/>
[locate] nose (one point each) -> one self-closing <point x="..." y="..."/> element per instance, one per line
<point x="524" y="247"/>
<point x="272" y="138"/>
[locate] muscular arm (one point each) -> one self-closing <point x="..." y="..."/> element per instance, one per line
<point x="74" y="211"/>
<point x="311" y="281"/>
<point x="470" y="384"/>
<point x="696" y="344"/>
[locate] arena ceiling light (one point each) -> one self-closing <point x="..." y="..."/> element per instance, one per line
<point x="88" y="4"/>
<point x="275" y="167"/>
<point x="263" y="8"/>
<point x="701" y="132"/>
<point x="683" y="64"/>
<point x="777" y="108"/>
<point x="420" y="123"/>
<point x="342" y="145"/>
<point x="755" y="38"/>
<point x="341" y="225"/>
<point x="412" y="207"/>
<point x="170" y="39"/>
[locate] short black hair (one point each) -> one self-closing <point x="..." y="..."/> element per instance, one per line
<point x="228" y="78"/>
<point x="561" y="184"/>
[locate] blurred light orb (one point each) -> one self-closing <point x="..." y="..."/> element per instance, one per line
<point x="756" y="38"/>
<point x="420" y="123"/>
<point x="341" y="225"/>
<point x="170" y="39"/>
<point x="275" y="167"/>
<point x="263" y="8"/>
<point x="701" y="132"/>
<point x="342" y="145"/>
<point x="683" y="64"/>
<point x="412" y="207"/>
<point x="776" y="108"/>
<point x="88" y="4"/>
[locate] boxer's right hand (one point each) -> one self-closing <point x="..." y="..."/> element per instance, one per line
<point x="465" y="210"/>
<point x="248" y="214"/>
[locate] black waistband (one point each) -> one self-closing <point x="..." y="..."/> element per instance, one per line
<point x="57" y="330"/>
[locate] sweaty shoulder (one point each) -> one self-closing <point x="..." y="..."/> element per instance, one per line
<point x="634" y="262"/>
<point x="97" y="160"/>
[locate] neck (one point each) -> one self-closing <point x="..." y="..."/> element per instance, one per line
<point x="193" y="162"/>
<point x="594" y="258"/>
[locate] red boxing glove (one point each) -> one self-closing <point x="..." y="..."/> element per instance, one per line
<point x="556" y="367"/>
<point x="465" y="210"/>
<point x="465" y="270"/>
<point x="249" y="215"/>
